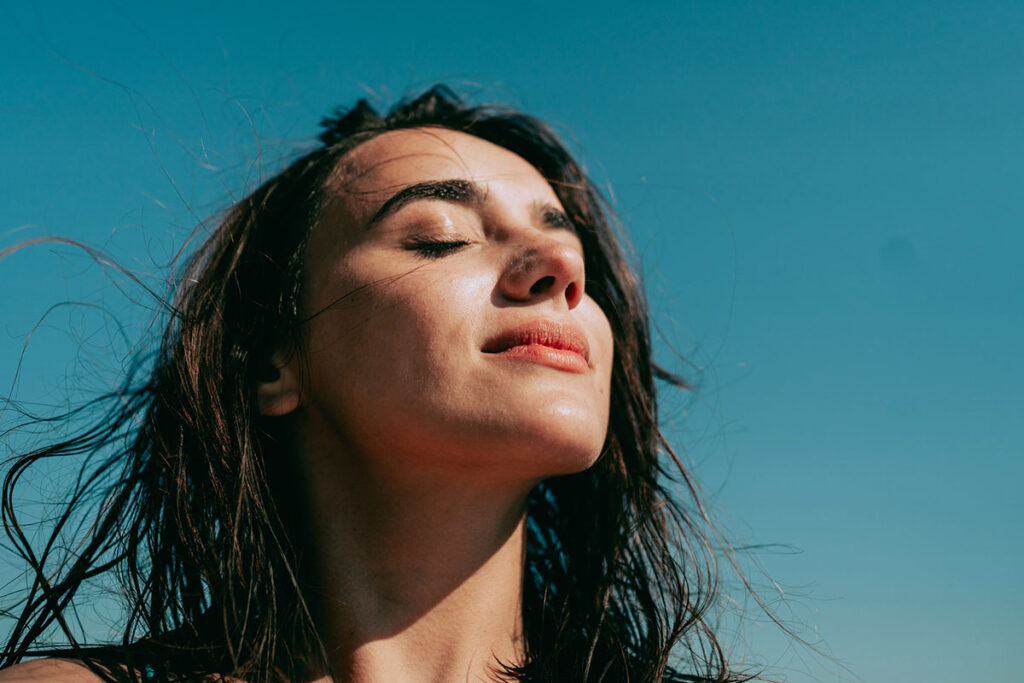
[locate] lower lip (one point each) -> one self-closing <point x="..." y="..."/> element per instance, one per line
<point x="559" y="359"/>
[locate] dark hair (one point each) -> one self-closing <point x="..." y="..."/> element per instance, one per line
<point x="196" y="520"/>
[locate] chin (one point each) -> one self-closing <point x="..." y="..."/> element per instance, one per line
<point x="517" y="443"/>
<point x="557" y="451"/>
<point x="535" y="463"/>
<point x="524" y="453"/>
<point x="573" y="463"/>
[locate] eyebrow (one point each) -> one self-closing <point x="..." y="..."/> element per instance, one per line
<point x="456" y="191"/>
<point x="460" y="191"/>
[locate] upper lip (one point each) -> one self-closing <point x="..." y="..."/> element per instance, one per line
<point x="543" y="332"/>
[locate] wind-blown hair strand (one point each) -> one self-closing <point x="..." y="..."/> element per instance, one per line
<point x="201" y="521"/>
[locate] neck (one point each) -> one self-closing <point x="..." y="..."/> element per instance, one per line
<point x="417" y="578"/>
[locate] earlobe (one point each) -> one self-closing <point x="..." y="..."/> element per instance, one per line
<point x="277" y="392"/>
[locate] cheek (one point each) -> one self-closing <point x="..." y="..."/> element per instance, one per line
<point x="391" y="339"/>
<point x="425" y="322"/>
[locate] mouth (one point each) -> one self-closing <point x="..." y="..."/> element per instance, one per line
<point x="546" y="342"/>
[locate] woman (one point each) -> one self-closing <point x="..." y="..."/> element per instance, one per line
<point x="402" y="427"/>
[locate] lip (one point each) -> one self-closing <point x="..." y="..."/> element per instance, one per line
<point x="547" y="342"/>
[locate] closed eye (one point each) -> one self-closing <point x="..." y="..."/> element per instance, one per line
<point x="556" y="218"/>
<point x="435" y="247"/>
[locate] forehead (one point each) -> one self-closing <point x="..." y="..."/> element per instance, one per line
<point x="389" y="162"/>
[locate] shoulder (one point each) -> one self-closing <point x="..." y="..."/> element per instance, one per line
<point x="64" y="671"/>
<point x="49" y="670"/>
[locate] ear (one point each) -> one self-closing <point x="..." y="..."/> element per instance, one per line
<point x="278" y="392"/>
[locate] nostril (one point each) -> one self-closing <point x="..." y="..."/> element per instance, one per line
<point x="542" y="285"/>
<point x="570" y="292"/>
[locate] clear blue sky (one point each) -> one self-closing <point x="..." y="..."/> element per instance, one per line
<point x="826" y="198"/>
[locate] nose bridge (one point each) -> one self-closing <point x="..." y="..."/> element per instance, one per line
<point x="544" y="267"/>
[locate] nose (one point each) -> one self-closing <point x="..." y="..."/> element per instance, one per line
<point x="544" y="268"/>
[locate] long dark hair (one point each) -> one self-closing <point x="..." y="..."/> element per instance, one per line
<point x="196" y="517"/>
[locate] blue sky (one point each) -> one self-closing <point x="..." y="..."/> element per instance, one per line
<point x="825" y="197"/>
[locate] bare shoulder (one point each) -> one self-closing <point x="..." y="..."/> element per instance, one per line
<point x="68" y="671"/>
<point x="50" y="670"/>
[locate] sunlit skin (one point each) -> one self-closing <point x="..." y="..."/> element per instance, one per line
<point x="405" y="303"/>
<point x="420" y="443"/>
<point x="420" y="446"/>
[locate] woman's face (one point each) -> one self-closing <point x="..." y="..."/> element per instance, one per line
<point x="450" y="328"/>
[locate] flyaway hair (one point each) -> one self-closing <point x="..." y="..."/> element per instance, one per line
<point x="199" y="518"/>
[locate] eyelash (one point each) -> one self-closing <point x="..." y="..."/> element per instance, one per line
<point x="436" y="248"/>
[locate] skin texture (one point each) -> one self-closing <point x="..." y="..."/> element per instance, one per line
<point x="48" y="670"/>
<point x="420" y="448"/>
<point x="393" y="360"/>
